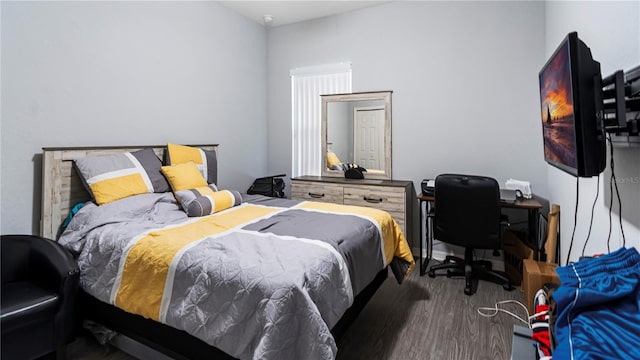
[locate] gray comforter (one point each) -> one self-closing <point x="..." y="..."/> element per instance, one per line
<point x="264" y="280"/>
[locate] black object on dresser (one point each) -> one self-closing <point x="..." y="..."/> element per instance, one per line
<point x="272" y="186"/>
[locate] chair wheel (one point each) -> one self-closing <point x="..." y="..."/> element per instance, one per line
<point x="431" y="273"/>
<point x="508" y="287"/>
<point x="467" y="291"/>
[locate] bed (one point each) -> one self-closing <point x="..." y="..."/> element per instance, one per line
<point x="264" y="278"/>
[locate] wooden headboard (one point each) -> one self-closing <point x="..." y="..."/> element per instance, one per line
<point x="62" y="188"/>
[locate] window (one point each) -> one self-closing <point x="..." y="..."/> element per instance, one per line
<point x="307" y="84"/>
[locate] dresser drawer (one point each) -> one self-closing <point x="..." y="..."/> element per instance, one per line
<point x="392" y="196"/>
<point x="390" y="199"/>
<point x="316" y="191"/>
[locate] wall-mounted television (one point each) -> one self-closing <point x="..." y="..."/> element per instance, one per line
<point x="571" y="108"/>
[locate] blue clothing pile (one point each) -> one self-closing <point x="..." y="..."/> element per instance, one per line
<point x="598" y="308"/>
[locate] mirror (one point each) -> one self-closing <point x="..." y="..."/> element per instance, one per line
<point x="356" y="128"/>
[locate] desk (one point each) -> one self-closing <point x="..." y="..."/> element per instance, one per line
<point x="532" y="206"/>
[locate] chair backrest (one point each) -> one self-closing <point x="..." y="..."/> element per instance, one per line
<point x="15" y="259"/>
<point x="467" y="211"/>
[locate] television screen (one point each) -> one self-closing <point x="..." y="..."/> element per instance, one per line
<point x="570" y="106"/>
<point x="558" y="121"/>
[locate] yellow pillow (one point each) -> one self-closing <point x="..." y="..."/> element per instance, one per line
<point x="205" y="160"/>
<point x="184" y="176"/>
<point x="332" y="159"/>
<point x="179" y="154"/>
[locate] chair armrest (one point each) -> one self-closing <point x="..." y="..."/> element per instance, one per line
<point x="51" y="257"/>
<point x="45" y="262"/>
<point x="49" y="265"/>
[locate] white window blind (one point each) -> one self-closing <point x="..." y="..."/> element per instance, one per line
<point x="307" y="84"/>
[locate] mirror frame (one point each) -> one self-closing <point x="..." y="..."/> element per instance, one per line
<point x="375" y="95"/>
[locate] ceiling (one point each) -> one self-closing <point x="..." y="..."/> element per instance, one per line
<point x="289" y="12"/>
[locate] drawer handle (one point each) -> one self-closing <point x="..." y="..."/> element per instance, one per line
<point x="316" y="196"/>
<point x="373" y="200"/>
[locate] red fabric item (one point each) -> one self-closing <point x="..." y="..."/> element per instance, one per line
<point x="540" y="329"/>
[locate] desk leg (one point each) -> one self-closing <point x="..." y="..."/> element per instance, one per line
<point x="427" y="238"/>
<point x="533" y="232"/>
<point x="421" y="240"/>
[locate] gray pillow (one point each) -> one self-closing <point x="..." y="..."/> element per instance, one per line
<point x="111" y="177"/>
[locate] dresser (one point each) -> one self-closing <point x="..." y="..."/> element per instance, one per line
<point x="397" y="197"/>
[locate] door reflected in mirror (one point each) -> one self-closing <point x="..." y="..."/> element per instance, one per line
<point x="357" y="130"/>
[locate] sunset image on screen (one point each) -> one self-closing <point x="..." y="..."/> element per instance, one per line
<point x="557" y="109"/>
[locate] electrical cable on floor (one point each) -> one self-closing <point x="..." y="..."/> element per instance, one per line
<point x="493" y="311"/>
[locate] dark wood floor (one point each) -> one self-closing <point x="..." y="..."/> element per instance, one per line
<point x="427" y="318"/>
<point x="422" y="319"/>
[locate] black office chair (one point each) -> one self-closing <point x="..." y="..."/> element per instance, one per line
<point x="39" y="288"/>
<point x="467" y="213"/>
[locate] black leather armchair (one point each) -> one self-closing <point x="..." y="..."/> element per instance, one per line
<point x="467" y="213"/>
<point x="39" y="288"/>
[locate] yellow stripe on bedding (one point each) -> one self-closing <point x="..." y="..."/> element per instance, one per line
<point x="222" y="200"/>
<point x="145" y="271"/>
<point x="393" y="238"/>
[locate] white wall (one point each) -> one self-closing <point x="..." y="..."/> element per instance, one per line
<point x="464" y="77"/>
<point x="123" y="73"/>
<point x="612" y="32"/>
<point x="438" y="58"/>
